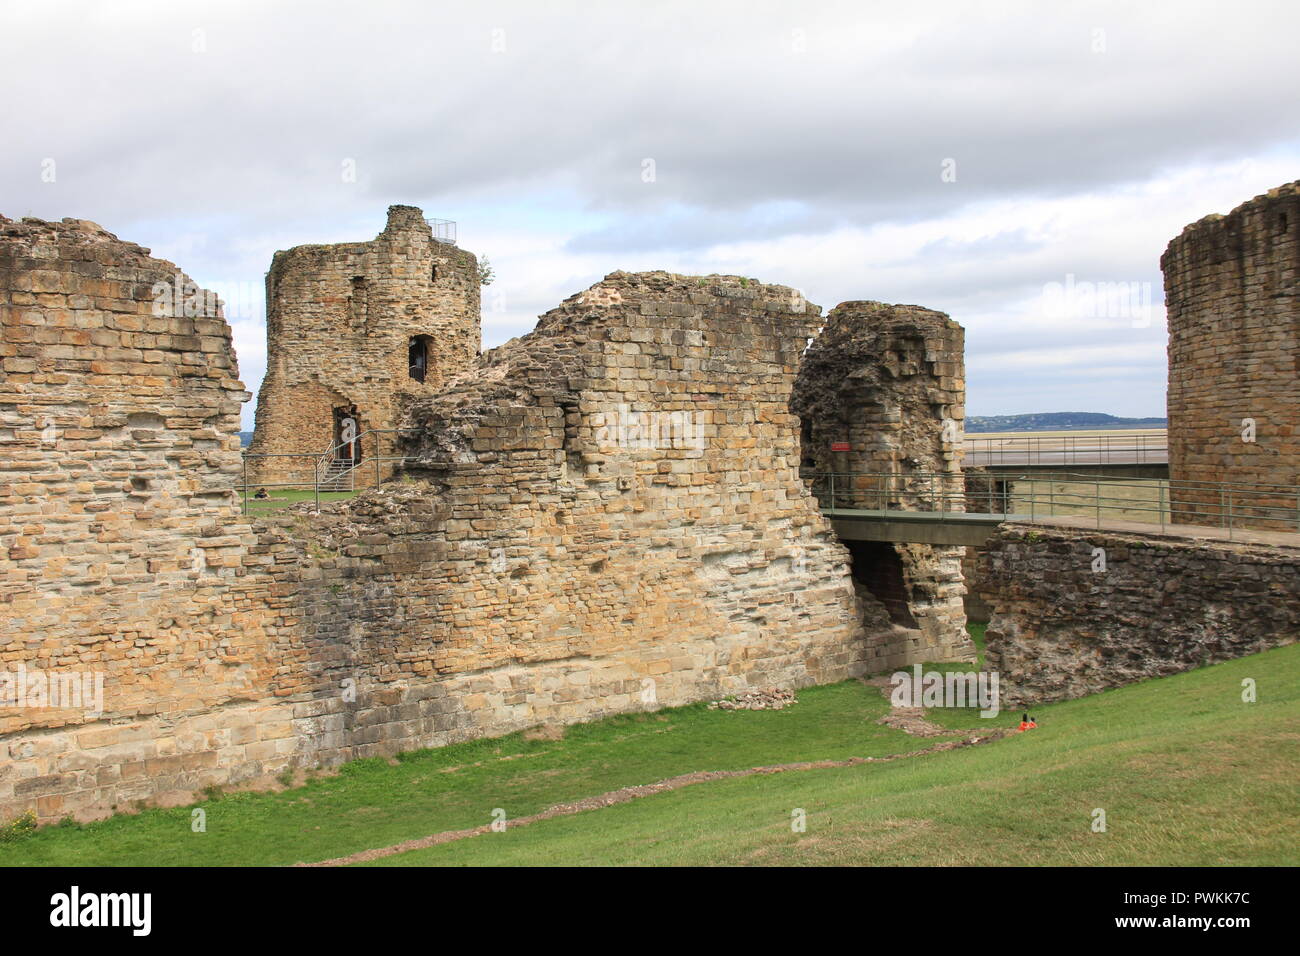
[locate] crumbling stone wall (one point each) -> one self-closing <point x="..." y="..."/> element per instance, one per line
<point x="1231" y="289"/>
<point x="886" y="382"/>
<point x="1063" y="628"/>
<point x="605" y="516"/>
<point x="340" y="320"/>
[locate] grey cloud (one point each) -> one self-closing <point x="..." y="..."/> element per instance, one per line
<point x="217" y="157"/>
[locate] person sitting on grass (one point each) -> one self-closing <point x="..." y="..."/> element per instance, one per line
<point x="1027" y="722"/>
<point x="261" y="494"/>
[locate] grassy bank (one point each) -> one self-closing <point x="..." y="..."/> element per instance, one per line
<point x="1186" y="772"/>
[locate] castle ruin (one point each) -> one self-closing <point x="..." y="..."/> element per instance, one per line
<point x="619" y="511"/>
<point x="1191" y="596"/>
<point x="880" y="397"/>
<point x="354" y="332"/>
<point x="605" y="515"/>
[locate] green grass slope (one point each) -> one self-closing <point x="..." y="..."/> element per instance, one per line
<point x="375" y="803"/>
<point x="1186" y="772"/>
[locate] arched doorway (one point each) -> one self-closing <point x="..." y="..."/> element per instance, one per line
<point x="347" y="432"/>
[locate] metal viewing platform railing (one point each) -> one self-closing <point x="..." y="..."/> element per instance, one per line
<point x="444" y="230"/>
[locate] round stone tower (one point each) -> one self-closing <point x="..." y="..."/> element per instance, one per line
<point x="355" y="331"/>
<point x="1232" y="289"/>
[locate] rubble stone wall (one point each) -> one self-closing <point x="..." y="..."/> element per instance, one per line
<point x="1062" y="628"/>
<point x="1232" y="290"/>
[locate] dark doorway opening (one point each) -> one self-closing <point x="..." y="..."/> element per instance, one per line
<point x="878" y="567"/>
<point x="417" y="357"/>
<point x="347" y="432"/>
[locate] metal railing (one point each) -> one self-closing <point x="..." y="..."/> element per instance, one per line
<point x="444" y="230"/>
<point x="321" y="477"/>
<point x="1227" y="505"/>
<point x="1130" y="449"/>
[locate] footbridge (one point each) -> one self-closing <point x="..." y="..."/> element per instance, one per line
<point x="948" y="509"/>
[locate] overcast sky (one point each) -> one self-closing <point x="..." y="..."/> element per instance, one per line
<point x="988" y="160"/>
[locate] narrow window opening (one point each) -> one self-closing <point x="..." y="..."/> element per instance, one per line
<point x="357" y="302"/>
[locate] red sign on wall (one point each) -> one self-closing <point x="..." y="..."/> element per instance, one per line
<point x="839" y="446"/>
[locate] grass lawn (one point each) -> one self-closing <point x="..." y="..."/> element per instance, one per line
<point x="976" y="632"/>
<point x="1186" y="772"/>
<point x="1129" y="499"/>
<point x="283" y="497"/>
<point x="374" y="803"/>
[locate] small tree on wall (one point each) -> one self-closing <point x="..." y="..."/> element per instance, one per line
<point x="485" y="273"/>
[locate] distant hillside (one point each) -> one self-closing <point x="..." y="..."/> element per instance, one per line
<point x="1042" y="421"/>
<point x="1056" y="421"/>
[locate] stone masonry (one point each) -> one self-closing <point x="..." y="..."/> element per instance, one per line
<point x="605" y="515"/>
<point x="1232" y="289"/>
<point x="120" y="547"/>
<point x="1062" y="627"/>
<point x="341" y="323"/>
<point x="886" y="382"/>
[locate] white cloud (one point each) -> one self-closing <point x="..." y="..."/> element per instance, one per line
<point x="796" y="143"/>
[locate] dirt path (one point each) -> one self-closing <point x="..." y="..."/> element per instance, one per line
<point x="910" y="720"/>
<point x="627" y="794"/>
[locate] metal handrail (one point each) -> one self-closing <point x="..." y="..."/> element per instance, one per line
<point x="1148" y="448"/>
<point x="319" y="462"/>
<point x="444" y="230"/>
<point x="1229" y="504"/>
<point x="335" y="446"/>
<point x="376" y="460"/>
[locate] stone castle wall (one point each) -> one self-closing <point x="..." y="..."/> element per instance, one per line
<point x="883" y="380"/>
<point x="1232" y="289"/>
<point x="120" y="544"/>
<point x="340" y="319"/>
<point x="606" y="515"/>
<point x="1062" y="627"/>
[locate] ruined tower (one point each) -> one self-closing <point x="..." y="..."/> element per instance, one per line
<point x="1234" y="346"/>
<point x="881" y="395"/>
<point x="355" y="331"/>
